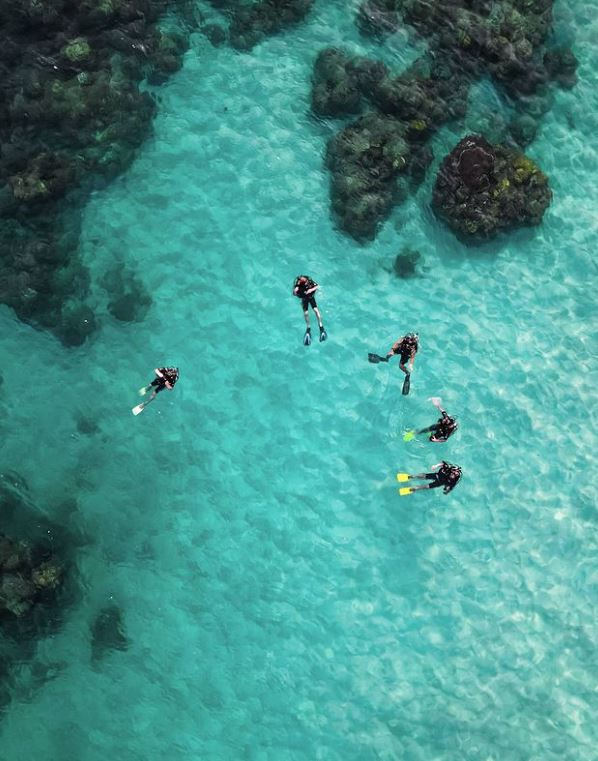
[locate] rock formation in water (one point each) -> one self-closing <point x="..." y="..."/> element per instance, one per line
<point x="406" y="264"/>
<point x="71" y="117"/>
<point x="250" y="23"/>
<point x="31" y="571"/>
<point x="467" y="41"/>
<point x="376" y="159"/>
<point x="108" y="632"/>
<point x="483" y="189"/>
<point x="27" y="575"/>
<point x="36" y="583"/>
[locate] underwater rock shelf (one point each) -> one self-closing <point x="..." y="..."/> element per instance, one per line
<point x="71" y="118"/>
<point x="483" y="189"/>
<point x="378" y="159"/>
<point x="250" y="23"/>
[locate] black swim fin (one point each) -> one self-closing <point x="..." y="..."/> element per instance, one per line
<point x="323" y="334"/>
<point x="307" y="337"/>
<point x="375" y="358"/>
<point x="406" y="384"/>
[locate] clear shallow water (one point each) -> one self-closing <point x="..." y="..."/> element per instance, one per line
<point x="281" y="600"/>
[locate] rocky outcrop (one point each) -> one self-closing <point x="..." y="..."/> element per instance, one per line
<point x="71" y="118"/>
<point x="483" y="189"/>
<point x="108" y="632"/>
<point x="250" y="23"/>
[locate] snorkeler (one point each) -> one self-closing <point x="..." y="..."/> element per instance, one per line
<point x="166" y="377"/>
<point x="448" y="477"/>
<point x="406" y="347"/>
<point x="444" y="427"/>
<point x="304" y="288"/>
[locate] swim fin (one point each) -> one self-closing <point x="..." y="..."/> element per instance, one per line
<point x="138" y="409"/>
<point x="406" y="384"/>
<point x="323" y="334"/>
<point x="143" y="391"/>
<point x="408" y="435"/>
<point x="375" y="358"/>
<point x="405" y="491"/>
<point x="402" y="476"/>
<point x="307" y="337"/>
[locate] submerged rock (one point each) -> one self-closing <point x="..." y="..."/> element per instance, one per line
<point x="483" y="189"/>
<point x="129" y="298"/>
<point x="107" y="632"/>
<point x="405" y="263"/>
<point x="71" y="117"/>
<point x="378" y="17"/>
<point x="561" y="65"/>
<point x="365" y="160"/>
<point x="252" y="23"/>
<point x="25" y="575"/>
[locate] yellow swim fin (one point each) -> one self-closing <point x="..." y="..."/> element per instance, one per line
<point x="405" y="491"/>
<point x="402" y="476"/>
<point x="408" y="435"/>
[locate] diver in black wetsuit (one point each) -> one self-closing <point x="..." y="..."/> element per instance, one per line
<point x="166" y="377"/>
<point x="448" y="476"/>
<point x="444" y="427"/>
<point x="406" y="347"/>
<point x="304" y="288"/>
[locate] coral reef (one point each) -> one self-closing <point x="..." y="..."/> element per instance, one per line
<point x="29" y="575"/>
<point x="368" y="158"/>
<point x="377" y="18"/>
<point x="107" y="632"/>
<point x="504" y="39"/>
<point x="406" y="263"/>
<point x="340" y="81"/>
<point x="365" y="160"/>
<point x="36" y="586"/>
<point x="483" y="189"/>
<point x="250" y="23"/>
<point x="467" y="40"/>
<point x="71" y="118"/>
<point x="561" y="65"/>
<point x="129" y="300"/>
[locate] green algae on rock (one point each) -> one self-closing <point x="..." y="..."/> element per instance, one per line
<point x="483" y="189"/>
<point x="72" y="115"/>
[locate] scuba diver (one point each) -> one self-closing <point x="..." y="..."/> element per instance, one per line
<point x="166" y="377"/>
<point x="448" y="476"/>
<point x="304" y="288"/>
<point x="444" y="427"/>
<point x="406" y="347"/>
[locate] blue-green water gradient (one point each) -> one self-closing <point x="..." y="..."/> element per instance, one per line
<point x="281" y="600"/>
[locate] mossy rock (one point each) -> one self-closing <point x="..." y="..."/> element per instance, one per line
<point x="77" y="50"/>
<point x="524" y="169"/>
<point x="509" y="191"/>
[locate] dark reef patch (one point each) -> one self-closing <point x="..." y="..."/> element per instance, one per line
<point x="406" y="264"/>
<point x="71" y="118"/>
<point x="129" y="299"/>
<point x="467" y="40"/>
<point x="376" y="160"/>
<point x="483" y="189"/>
<point x="251" y="22"/>
<point x="36" y="583"/>
<point x="108" y="632"/>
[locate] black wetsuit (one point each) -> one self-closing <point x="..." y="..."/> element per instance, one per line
<point x="447" y="476"/>
<point x="169" y="375"/>
<point x="299" y="290"/>
<point x="444" y="428"/>
<point x="407" y="345"/>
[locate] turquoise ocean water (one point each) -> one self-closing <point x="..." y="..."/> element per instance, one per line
<point x="281" y="600"/>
